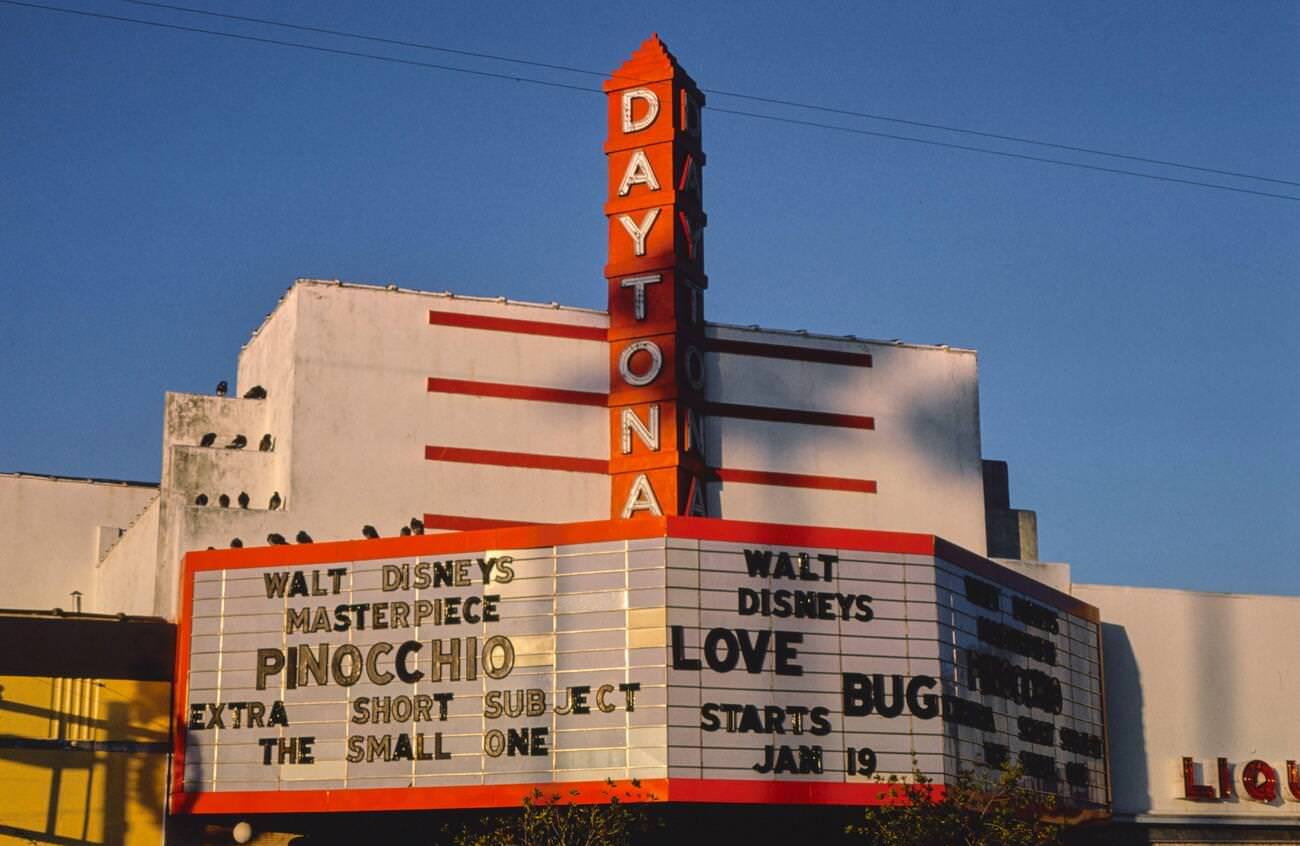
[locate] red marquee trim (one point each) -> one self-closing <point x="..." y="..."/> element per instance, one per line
<point x="741" y="531"/>
<point x="731" y="791"/>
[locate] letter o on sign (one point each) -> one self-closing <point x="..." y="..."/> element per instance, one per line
<point x="638" y="380"/>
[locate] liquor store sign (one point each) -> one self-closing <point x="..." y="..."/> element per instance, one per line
<point x="714" y="661"/>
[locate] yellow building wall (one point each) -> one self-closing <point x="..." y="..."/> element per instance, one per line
<point x="82" y="760"/>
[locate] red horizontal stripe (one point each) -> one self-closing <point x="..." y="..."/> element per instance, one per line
<point x="532" y="460"/>
<point x="522" y="392"/>
<point x="524" y="327"/>
<point x="763" y="792"/>
<point x="395" y="798"/>
<point x="741" y="531"/>
<point x="718" y="409"/>
<point x="789" y="352"/>
<point x="726" y="791"/>
<point x="457" y="523"/>
<point x="796" y="480"/>
<point x="788" y="415"/>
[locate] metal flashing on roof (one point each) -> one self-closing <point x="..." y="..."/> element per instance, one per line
<point x="51" y="477"/>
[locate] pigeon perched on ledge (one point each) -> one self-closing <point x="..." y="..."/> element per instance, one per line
<point x="302" y="537"/>
<point x="255" y="392"/>
<point x="222" y="387"/>
<point x="239" y="442"/>
<point x="368" y="532"/>
<point x="276" y="539"/>
<point x="208" y="440"/>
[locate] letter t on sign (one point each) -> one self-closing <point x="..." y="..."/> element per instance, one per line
<point x="638" y="283"/>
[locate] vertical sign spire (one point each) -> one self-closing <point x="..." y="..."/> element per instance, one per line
<point x="656" y="284"/>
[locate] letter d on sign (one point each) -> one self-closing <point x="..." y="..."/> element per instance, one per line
<point x="651" y="100"/>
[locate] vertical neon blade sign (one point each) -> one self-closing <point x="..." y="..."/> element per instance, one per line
<point x="656" y="282"/>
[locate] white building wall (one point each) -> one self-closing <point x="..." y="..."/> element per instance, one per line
<point x="125" y="581"/>
<point x="53" y="532"/>
<point x="364" y="415"/>
<point x="349" y="414"/>
<point x="923" y="453"/>
<point x="1201" y="675"/>
<point x="345" y="370"/>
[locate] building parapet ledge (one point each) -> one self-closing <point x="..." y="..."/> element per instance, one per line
<point x="713" y="329"/>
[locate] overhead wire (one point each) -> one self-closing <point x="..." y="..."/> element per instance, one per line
<point x="1004" y="153"/>
<point x="571" y="87"/>
<point x="313" y="47"/>
<point x="774" y="101"/>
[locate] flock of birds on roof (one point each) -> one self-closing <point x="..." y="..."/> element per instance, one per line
<point x="243" y="500"/>
<point x="239" y="442"/>
<point x="415" y="527"/>
<point x="255" y="392"/>
<point x="369" y="532"/>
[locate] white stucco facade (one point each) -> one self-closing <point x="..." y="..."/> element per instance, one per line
<point x="56" y="530"/>
<point x="1202" y="676"/>
<point x="349" y="414"/>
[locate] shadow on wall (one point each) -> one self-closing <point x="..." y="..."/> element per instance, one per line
<point x="1130" y="781"/>
<point x="68" y="776"/>
<point x="922" y="418"/>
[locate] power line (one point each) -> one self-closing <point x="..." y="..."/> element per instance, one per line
<point x="1023" y="156"/>
<point x="397" y="42"/>
<point x="1018" y="139"/>
<point x="566" y="86"/>
<point x="318" y="49"/>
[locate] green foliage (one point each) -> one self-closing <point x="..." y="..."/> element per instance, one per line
<point x="555" y="819"/>
<point x="969" y="812"/>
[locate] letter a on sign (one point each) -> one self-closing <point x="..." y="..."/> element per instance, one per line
<point x="639" y="172"/>
<point x="695" y="506"/>
<point x="641" y="497"/>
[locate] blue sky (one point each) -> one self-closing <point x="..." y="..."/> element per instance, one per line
<point x="1138" y="340"/>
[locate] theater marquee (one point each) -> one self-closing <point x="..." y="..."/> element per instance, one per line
<point x="716" y="661"/>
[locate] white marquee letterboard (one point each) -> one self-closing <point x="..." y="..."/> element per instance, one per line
<point x="713" y="661"/>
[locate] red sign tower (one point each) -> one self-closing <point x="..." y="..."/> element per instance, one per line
<point x="656" y="287"/>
